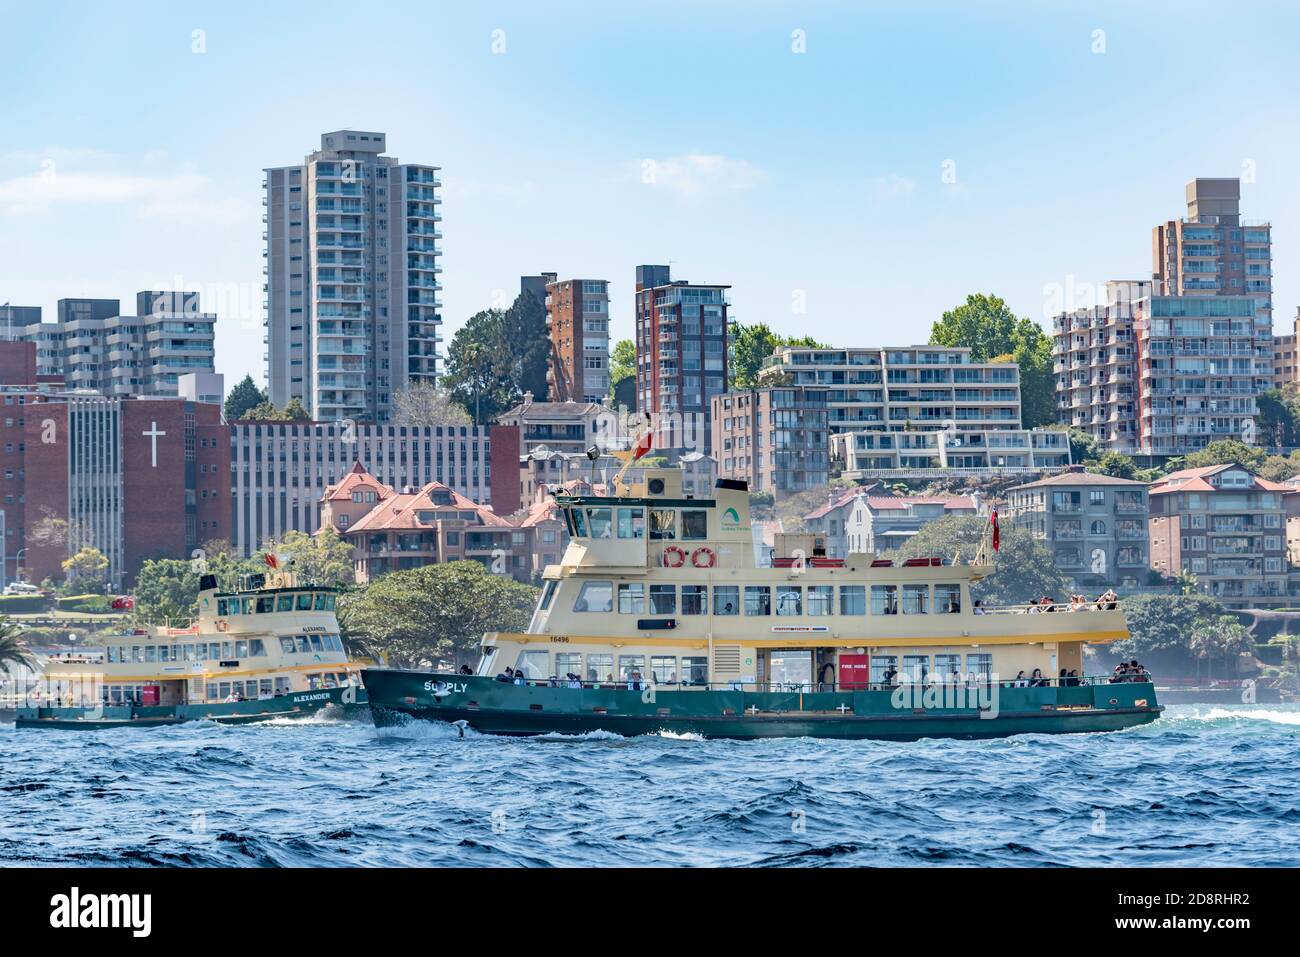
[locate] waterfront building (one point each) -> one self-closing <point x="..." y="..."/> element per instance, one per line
<point x="880" y="524"/>
<point x="279" y="471"/>
<point x="774" y="437"/>
<point x="1213" y="251"/>
<point x="1228" y="528"/>
<point x="905" y="389"/>
<point x="1095" y="527"/>
<point x="681" y="355"/>
<point x="577" y="322"/>
<point x="1163" y="375"/>
<point x="560" y="426"/>
<point x="919" y="454"/>
<point x="352" y="267"/>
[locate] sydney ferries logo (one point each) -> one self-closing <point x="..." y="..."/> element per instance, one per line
<point x="730" y="519"/>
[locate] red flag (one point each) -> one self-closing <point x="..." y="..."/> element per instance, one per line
<point x="272" y="561"/>
<point x="643" y="445"/>
<point x="997" y="535"/>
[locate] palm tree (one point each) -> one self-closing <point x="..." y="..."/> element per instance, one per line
<point x="13" y="650"/>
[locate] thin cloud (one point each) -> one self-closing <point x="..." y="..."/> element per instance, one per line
<point x="700" y="174"/>
<point x="892" y="186"/>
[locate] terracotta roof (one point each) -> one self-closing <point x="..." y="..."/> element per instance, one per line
<point x="1198" y="480"/>
<point x="537" y="513"/>
<point x="401" y="511"/>
<point x="1079" y="478"/>
<point x="843" y="497"/>
<point x="894" y="502"/>
<point x="357" y="476"/>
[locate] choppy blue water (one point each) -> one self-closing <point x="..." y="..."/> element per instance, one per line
<point x="1203" y="786"/>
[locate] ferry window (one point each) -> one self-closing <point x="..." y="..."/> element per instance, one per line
<point x="150" y="652"/>
<point x="663" y="599"/>
<point x="330" y="599"/>
<point x="212" y="691"/>
<point x="223" y="690"/>
<point x="137" y="654"/>
<point x="664" y="669"/>
<point x="789" y="599"/>
<point x="980" y="664"/>
<point x="284" y="603"/>
<point x="916" y="668"/>
<point x="631" y="598"/>
<point x="947" y="599"/>
<point x="820" y="601"/>
<point x="881" y="664"/>
<point x="601" y="520"/>
<point x="320" y="602"/>
<point x="223" y="607"/>
<point x="595" y="596"/>
<point x="853" y="599"/>
<point x="695" y="671"/>
<point x="241" y="648"/>
<point x="600" y="667"/>
<point x="264" y="688"/>
<point x="694" y="599"/>
<point x="884" y="599"/>
<point x="916" y="599"/>
<point x="758" y="600"/>
<point x="248" y="606"/>
<point x="663" y="523"/>
<point x="547" y="594"/>
<point x="300" y="644"/>
<point x="281" y="685"/>
<point x="187" y="651"/>
<point x="200" y="650"/>
<point x="726" y="599"/>
<point x="533" y="665"/>
<point x="568" y="663"/>
<point x="947" y="667"/>
<point x="256" y="648"/>
<point x="695" y="524"/>
<point x="631" y="523"/>
<point x="112" y="654"/>
<point x="628" y="664"/>
<point x="315" y="643"/>
<point x="227" y="649"/>
<point x="304" y="601"/>
<point x="579" y="523"/>
<point x="286" y="645"/>
<point x="164" y="653"/>
<point x="265" y="603"/>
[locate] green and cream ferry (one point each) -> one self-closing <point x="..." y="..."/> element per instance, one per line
<point x="659" y="619"/>
<point x="269" y="649"/>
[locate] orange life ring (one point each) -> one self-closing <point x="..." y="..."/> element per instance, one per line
<point x="674" y="557"/>
<point x="222" y="625"/>
<point x="708" y="554"/>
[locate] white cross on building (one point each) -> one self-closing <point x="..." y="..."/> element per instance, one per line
<point x="152" y="434"/>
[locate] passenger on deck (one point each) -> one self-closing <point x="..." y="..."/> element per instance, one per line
<point x="1036" y="680"/>
<point x="1021" y="681"/>
<point x="1137" y="672"/>
<point x="507" y="676"/>
<point x="1120" y="674"/>
<point x="519" y="677"/>
<point x="1063" y="679"/>
<point x="889" y="678"/>
<point x="1047" y="604"/>
<point x="1107" y="600"/>
<point x="1033" y="606"/>
<point x="979" y="607"/>
<point x="466" y="670"/>
<point x="574" y="680"/>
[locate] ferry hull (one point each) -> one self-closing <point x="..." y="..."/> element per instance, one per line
<point x="497" y="708"/>
<point x="299" y="704"/>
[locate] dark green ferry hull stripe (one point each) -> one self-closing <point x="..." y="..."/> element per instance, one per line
<point x="298" y="704"/>
<point x="495" y="707"/>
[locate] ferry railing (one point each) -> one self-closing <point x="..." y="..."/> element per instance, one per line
<point x="1035" y="608"/>
<point x="967" y="681"/>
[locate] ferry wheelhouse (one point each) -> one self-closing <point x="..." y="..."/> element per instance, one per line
<point x="269" y="648"/>
<point x="658" y="617"/>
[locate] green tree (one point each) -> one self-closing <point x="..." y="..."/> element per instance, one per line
<point x="1278" y="421"/>
<point x="1161" y="629"/>
<point x="243" y="397"/>
<point x="265" y="411"/>
<point x="1219" y="638"/>
<point x="497" y="356"/>
<point x="622" y="364"/>
<point x="752" y="344"/>
<point x="1025" y="570"/>
<point x="14" y="651"/>
<point x="434" y="612"/>
<point x="166" y="588"/>
<point x="1114" y="464"/>
<point x="1227" y="452"/>
<point x="86" y="570"/>
<point x="323" y="559"/>
<point x="986" y="325"/>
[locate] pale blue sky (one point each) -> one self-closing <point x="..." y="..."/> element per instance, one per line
<point x="130" y="161"/>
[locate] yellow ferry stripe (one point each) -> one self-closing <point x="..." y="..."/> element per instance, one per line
<point x="243" y="673"/>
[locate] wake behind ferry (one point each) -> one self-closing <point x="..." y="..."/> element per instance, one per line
<point x="658" y="619"/>
<point x="269" y="649"/>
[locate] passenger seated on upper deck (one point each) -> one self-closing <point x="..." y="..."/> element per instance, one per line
<point x="465" y="670"/>
<point x="979" y="607"/>
<point x="519" y="677"/>
<point x="507" y="676"/>
<point x="574" y="680"/>
<point x="1120" y="674"/>
<point x="1136" y="671"/>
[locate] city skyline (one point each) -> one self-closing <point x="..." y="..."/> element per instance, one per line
<point x="1043" y="183"/>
